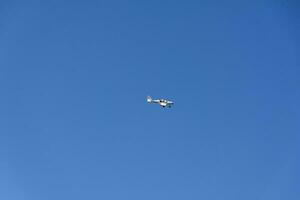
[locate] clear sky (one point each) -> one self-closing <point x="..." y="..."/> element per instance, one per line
<point x="75" y="124"/>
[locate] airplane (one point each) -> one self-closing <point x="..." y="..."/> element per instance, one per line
<point x="162" y="102"/>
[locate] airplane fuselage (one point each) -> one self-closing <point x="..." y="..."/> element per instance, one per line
<point x="161" y="102"/>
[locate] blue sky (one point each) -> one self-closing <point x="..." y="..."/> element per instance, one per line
<point x="75" y="123"/>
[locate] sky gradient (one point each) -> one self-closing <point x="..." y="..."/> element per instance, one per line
<point x="75" y="124"/>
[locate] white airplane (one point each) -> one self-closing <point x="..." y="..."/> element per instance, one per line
<point x="162" y="102"/>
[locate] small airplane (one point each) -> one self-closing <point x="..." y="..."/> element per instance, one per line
<point x="162" y="102"/>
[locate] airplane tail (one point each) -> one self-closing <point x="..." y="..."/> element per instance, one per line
<point x="149" y="99"/>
